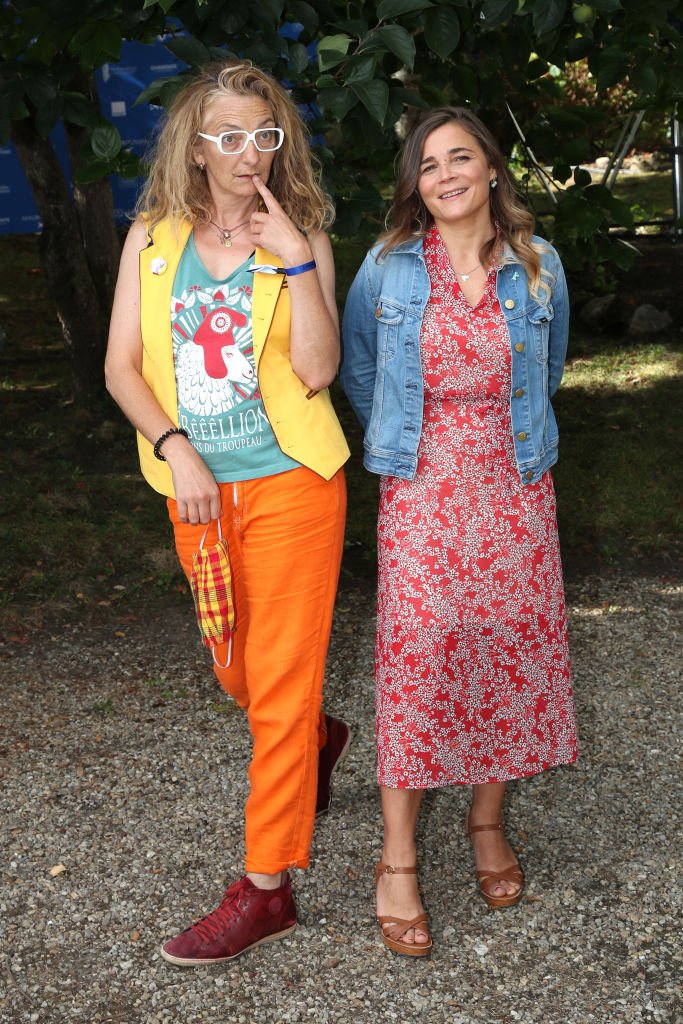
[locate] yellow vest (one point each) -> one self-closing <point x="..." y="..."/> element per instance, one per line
<point x="306" y="429"/>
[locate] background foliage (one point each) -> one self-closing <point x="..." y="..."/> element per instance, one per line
<point x="364" y="69"/>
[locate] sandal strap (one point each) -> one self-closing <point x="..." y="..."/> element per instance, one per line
<point x="389" y="869"/>
<point x="513" y="873"/>
<point x="484" y="828"/>
<point x="396" y="927"/>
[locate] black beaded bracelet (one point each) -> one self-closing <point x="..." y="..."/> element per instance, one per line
<point x="158" y="443"/>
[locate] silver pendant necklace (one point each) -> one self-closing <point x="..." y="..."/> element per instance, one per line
<point x="468" y="275"/>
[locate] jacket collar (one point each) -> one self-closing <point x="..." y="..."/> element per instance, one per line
<point x="415" y="245"/>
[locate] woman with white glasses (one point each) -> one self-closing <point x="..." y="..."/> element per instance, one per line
<point x="224" y="338"/>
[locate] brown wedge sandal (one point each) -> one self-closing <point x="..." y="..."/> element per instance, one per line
<point x="488" y="879"/>
<point x="394" y="928"/>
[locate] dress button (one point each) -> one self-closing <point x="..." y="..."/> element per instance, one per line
<point x="519" y="347"/>
<point x="378" y="312"/>
<point x="529" y="475"/>
<point x="519" y="393"/>
<point x="522" y="435"/>
<point x="509" y="303"/>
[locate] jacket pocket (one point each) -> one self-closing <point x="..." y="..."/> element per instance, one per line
<point x="539" y="318"/>
<point x="389" y="319"/>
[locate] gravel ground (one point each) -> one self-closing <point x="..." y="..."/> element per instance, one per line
<point x="124" y="781"/>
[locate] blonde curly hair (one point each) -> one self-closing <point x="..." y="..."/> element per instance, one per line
<point x="176" y="187"/>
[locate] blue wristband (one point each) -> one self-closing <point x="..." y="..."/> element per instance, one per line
<point x="301" y="269"/>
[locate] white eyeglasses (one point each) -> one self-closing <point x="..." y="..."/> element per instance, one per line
<point x="235" y="142"/>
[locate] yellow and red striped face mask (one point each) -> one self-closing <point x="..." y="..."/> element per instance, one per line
<point x="211" y="585"/>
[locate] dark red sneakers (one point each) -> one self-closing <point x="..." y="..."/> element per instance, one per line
<point x="338" y="739"/>
<point x="246" y="917"/>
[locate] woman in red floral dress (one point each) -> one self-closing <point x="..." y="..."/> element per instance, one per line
<point x="454" y="342"/>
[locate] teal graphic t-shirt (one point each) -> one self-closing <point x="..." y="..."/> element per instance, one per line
<point x="219" y="403"/>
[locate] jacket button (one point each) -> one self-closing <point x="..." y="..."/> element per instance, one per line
<point x="522" y="435"/>
<point x="509" y="303"/>
<point x="378" y="312"/>
<point x="519" y="347"/>
<point x="519" y="393"/>
<point x="528" y="475"/>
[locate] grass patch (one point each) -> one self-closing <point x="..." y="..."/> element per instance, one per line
<point x="619" y="477"/>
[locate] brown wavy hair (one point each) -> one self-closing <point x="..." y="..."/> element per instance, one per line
<point x="409" y="217"/>
<point x="177" y="189"/>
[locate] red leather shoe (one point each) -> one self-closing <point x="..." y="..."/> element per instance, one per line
<point x="329" y="758"/>
<point x="246" y="917"/>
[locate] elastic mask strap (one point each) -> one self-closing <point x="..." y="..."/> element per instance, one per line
<point x="229" y="659"/>
<point x="220" y="533"/>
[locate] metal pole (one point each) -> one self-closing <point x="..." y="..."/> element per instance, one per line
<point x="535" y="164"/>
<point x="626" y="143"/>
<point x="677" y="168"/>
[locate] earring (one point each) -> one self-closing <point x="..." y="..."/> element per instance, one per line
<point x="493" y="183"/>
<point x="202" y="167"/>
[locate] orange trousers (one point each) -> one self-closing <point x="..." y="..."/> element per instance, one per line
<point x="285" y="535"/>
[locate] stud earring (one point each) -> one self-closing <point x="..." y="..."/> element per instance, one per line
<point x="202" y="167"/>
<point x="493" y="183"/>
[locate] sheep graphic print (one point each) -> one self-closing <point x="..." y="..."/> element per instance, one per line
<point x="473" y="675"/>
<point x="219" y="403"/>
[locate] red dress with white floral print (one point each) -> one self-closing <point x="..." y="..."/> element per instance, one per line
<point x="473" y="675"/>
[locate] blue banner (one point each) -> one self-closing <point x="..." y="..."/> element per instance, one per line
<point x="118" y="87"/>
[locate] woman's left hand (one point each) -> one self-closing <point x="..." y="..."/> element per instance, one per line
<point x="275" y="232"/>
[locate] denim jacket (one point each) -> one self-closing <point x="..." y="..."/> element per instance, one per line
<point x="381" y="369"/>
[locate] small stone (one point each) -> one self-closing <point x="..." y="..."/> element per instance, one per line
<point x="647" y="319"/>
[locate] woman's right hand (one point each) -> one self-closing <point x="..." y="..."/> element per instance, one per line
<point x="197" y="494"/>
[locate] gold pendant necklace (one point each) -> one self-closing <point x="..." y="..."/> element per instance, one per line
<point x="225" y="234"/>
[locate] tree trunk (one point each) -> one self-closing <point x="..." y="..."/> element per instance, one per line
<point x="95" y="209"/>
<point x="70" y="284"/>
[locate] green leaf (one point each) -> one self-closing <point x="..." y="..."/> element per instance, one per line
<point x="165" y="5"/>
<point x="561" y="171"/>
<point x="442" y="31"/>
<point x="306" y="15"/>
<point x="96" y="42"/>
<point x="496" y="12"/>
<point x="375" y="98"/>
<point x="360" y="68"/>
<point x="582" y="177"/>
<point x="408" y="98"/>
<point x="399" y="41"/>
<point x="233" y="21"/>
<point x="609" y="67"/>
<point x="623" y="254"/>
<point x="40" y="89"/>
<point x="189" y="50"/>
<point x="395" y="8"/>
<point x="644" y="80"/>
<point x="41" y="50"/>
<point x="152" y="92"/>
<point x="46" y="117"/>
<point x="607" y="6"/>
<point x="93" y="169"/>
<point x="105" y="142"/>
<point x="337" y="101"/>
<point x="266" y="11"/>
<point x="576" y="150"/>
<point x="332" y="50"/>
<point x="78" y="109"/>
<point x="548" y="15"/>
<point x="619" y="210"/>
<point x="128" y="164"/>
<point x="298" y="57"/>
